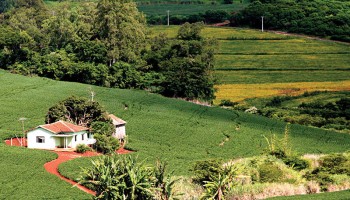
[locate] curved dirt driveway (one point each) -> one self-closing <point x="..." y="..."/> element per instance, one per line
<point x="52" y="167"/>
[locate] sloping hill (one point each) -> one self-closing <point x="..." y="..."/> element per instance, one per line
<point x="158" y="127"/>
<point x="171" y="129"/>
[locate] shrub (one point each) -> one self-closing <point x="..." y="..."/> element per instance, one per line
<point x="336" y="164"/>
<point x="106" y="144"/>
<point x="206" y="170"/>
<point x="296" y="162"/>
<point x="270" y="173"/>
<point x="227" y="102"/>
<point x="82" y="148"/>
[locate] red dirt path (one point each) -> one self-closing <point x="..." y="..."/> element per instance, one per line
<point x="52" y="167"/>
<point x="64" y="156"/>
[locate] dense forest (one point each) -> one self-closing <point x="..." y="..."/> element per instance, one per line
<point x="105" y="44"/>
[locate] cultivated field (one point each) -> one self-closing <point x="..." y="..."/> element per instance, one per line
<point x="158" y="127"/>
<point x="251" y="64"/>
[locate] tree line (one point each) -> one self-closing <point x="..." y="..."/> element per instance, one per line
<point x="105" y="44"/>
<point x="312" y="17"/>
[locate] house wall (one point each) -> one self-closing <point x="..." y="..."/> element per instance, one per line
<point x="52" y="141"/>
<point x="79" y="140"/>
<point x="49" y="140"/>
<point x="119" y="132"/>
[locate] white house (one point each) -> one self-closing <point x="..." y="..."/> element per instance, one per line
<point x="58" y="135"/>
<point x="119" y="125"/>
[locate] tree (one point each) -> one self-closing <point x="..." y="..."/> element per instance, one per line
<point x="186" y="64"/>
<point x="121" y="27"/>
<point x="77" y="110"/>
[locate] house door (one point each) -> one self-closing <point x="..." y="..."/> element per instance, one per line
<point x="61" y="143"/>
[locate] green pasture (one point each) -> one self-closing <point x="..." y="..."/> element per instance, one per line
<point x="342" y="195"/>
<point x="251" y="56"/>
<point x="280" y="76"/>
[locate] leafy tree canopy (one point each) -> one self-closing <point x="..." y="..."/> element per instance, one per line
<point x="77" y="110"/>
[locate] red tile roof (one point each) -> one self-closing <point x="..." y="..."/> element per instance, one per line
<point x="63" y="127"/>
<point x="116" y="120"/>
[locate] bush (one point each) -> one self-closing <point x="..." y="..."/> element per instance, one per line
<point x="82" y="148"/>
<point x="106" y="144"/>
<point x="270" y="173"/>
<point x="336" y="164"/>
<point x="227" y="102"/>
<point x="296" y="162"/>
<point x="206" y="170"/>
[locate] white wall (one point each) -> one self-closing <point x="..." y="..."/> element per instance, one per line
<point x="49" y="140"/>
<point x="119" y="132"/>
<point x="74" y="143"/>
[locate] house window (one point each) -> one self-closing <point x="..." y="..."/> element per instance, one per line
<point x="75" y="138"/>
<point x="40" y="139"/>
<point x="82" y="137"/>
<point x="88" y="135"/>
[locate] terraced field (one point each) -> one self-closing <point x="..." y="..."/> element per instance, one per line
<point x="297" y="64"/>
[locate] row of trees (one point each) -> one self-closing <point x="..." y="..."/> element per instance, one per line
<point x="208" y="17"/>
<point x="312" y="17"/>
<point x="104" y="44"/>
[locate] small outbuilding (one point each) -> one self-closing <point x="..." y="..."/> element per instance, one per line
<point x="119" y="125"/>
<point x="59" y="134"/>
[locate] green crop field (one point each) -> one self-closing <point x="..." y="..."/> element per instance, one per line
<point x="170" y="129"/>
<point x="251" y="56"/>
<point x="22" y="175"/>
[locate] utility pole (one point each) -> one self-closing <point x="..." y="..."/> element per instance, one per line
<point x="92" y="94"/>
<point x="168" y="11"/>
<point x="262" y="23"/>
<point x="22" y="119"/>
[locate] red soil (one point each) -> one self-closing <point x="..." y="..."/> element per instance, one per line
<point x="123" y="151"/>
<point x="17" y="142"/>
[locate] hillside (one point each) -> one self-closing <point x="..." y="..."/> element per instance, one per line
<point x="251" y="63"/>
<point x="158" y="127"/>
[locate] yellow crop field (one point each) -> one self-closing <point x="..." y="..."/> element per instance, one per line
<point x="239" y="92"/>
